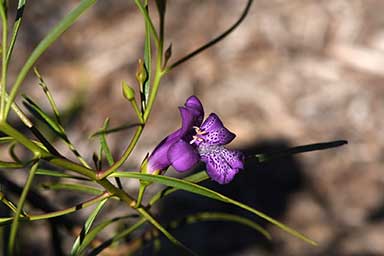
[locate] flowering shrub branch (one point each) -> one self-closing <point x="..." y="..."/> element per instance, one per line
<point x="196" y="140"/>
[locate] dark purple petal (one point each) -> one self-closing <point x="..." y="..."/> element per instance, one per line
<point x="158" y="160"/>
<point x="219" y="170"/>
<point x="222" y="164"/>
<point x="234" y="158"/>
<point x="182" y="156"/>
<point x="215" y="132"/>
<point x="187" y="121"/>
<point x="194" y="104"/>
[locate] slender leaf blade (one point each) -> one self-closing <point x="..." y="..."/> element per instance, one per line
<point x="91" y="235"/>
<point x="41" y="115"/>
<point x="115" y="129"/>
<point x="57" y="174"/>
<point x="73" y="187"/>
<point x="194" y="178"/>
<point x="10" y="165"/>
<point x="117" y="237"/>
<point x="147" y="62"/>
<point x="220" y="216"/>
<point x="6" y="139"/>
<point x="87" y="226"/>
<point x="200" y="190"/>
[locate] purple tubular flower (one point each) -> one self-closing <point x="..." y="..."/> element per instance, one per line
<point x="175" y="149"/>
<point x="195" y="141"/>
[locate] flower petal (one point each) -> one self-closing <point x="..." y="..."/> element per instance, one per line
<point x="187" y="121"/>
<point x="222" y="164"/>
<point x="182" y="156"/>
<point x="158" y="160"/>
<point x="234" y="158"/>
<point x="194" y="104"/>
<point x="216" y="133"/>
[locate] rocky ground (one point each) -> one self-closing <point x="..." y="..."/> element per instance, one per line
<point x="295" y="72"/>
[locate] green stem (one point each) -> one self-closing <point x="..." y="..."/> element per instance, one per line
<point x="149" y="21"/>
<point x="55" y="33"/>
<point x="16" y="27"/>
<point x="143" y="186"/>
<point x="4" y="65"/>
<point x="59" y="213"/>
<point x="15" y="222"/>
<point x="117" y="192"/>
<point x="22" y="139"/>
<point x="105" y="173"/>
<point x="213" y="41"/>
<point x="117" y="237"/>
<point x="196" y="178"/>
<point x="139" y="130"/>
<point x="168" y="235"/>
<point x="155" y="87"/>
<point x="131" y="202"/>
<point x="70" y="209"/>
<point x="69" y="165"/>
<point x="137" y="110"/>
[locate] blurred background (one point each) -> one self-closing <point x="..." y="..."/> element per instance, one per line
<point x="294" y="72"/>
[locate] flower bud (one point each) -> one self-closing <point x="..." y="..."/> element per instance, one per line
<point x="141" y="73"/>
<point x="128" y="91"/>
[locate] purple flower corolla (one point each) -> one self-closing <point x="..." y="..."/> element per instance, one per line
<point x="196" y="141"/>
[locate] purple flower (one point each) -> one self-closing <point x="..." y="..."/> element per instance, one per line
<point x="195" y="141"/>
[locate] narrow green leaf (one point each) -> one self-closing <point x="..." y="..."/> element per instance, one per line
<point x="219" y="216"/>
<point x="19" y="209"/>
<point x="117" y="237"/>
<point x="57" y="174"/>
<point x="55" y="126"/>
<point x="200" y="190"/>
<point x="8" y="203"/>
<point x="190" y="219"/>
<point x="116" y="129"/>
<point x="72" y="209"/>
<point x="194" y="178"/>
<point x="52" y="36"/>
<point x="4" y="63"/>
<point x="147" y="62"/>
<point x="35" y="110"/>
<point x="105" y="148"/>
<point x="24" y="217"/>
<point x="146" y="217"/>
<point x="165" y="232"/>
<point x="49" y="96"/>
<point x="6" y="139"/>
<point x="5" y="221"/>
<point x="73" y="187"/>
<point x="16" y="28"/>
<point x="87" y="226"/>
<point x="91" y="235"/>
<point x="104" y="144"/>
<point x="10" y="165"/>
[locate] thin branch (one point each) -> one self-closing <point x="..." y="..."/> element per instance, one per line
<point x="213" y="41"/>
